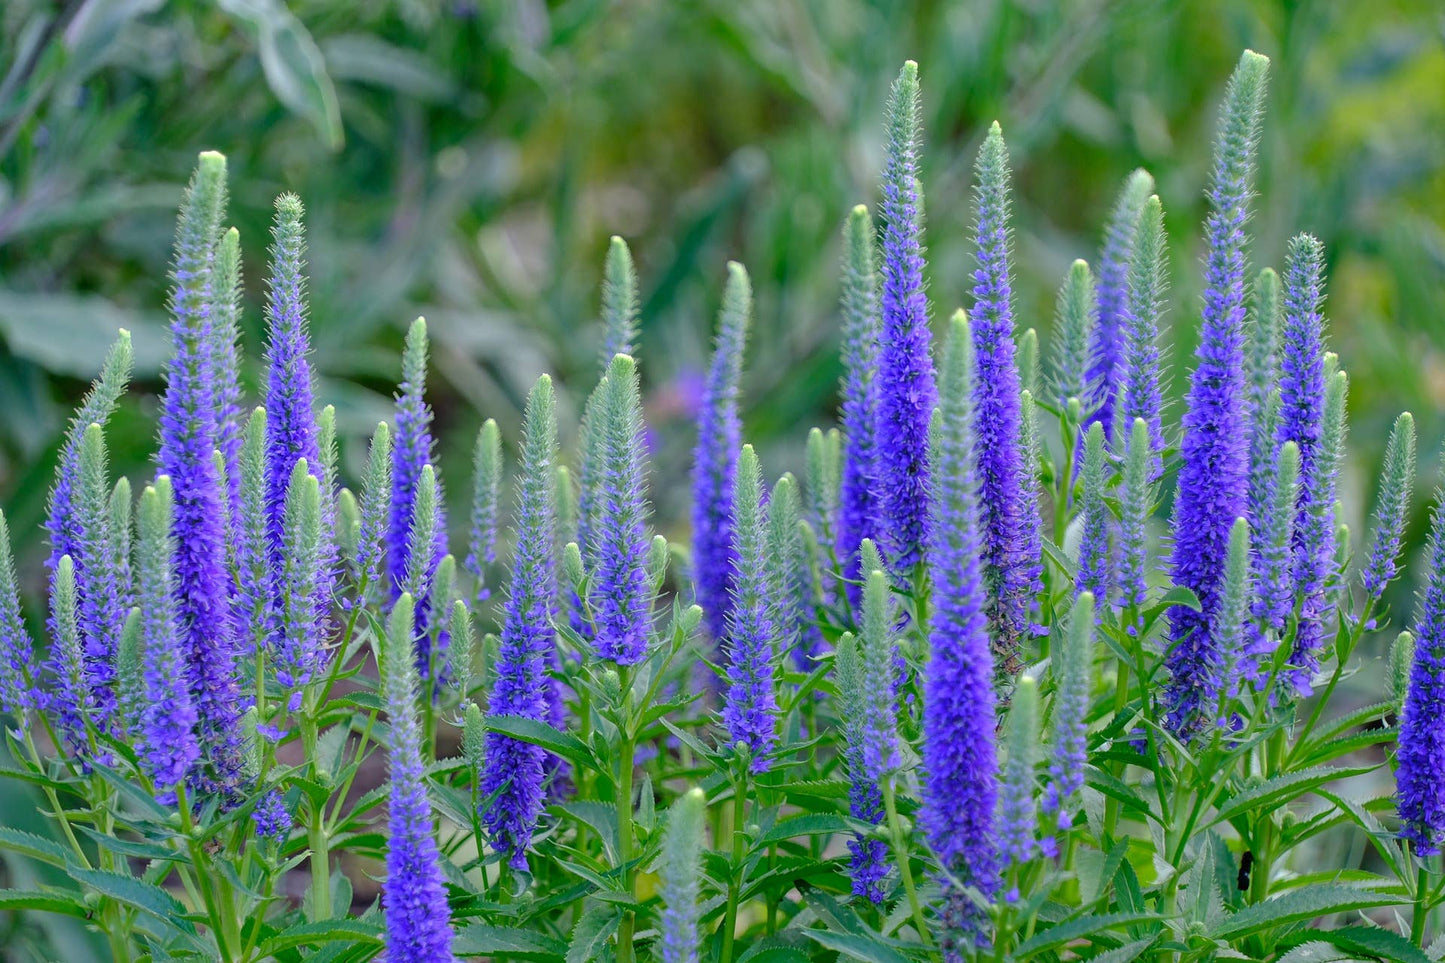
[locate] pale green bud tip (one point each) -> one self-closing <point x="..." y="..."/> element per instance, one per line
<point x="1402" y="656"/>
<point x="572" y="562"/>
<point x="211" y="163"/>
<point x="859" y="214"/>
<point x="289" y="206"/>
<point x="621" y="368"/>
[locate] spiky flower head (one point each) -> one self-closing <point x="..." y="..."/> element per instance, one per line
<point x="1214" y="474"/>
<point x="1076" y="312"/>
<point x="1421" y="755"/>
<point x="101" y="598"/>
<point x="619" y="302"/>
<point x="822" y="482"/>
<point x="790" y="575"/>
<point x="1263" y="393"/>
<point x="411" y="452"/>
<point x="189" y="438"/>
<point x="486" y="501"/>
<point x="719" y="433"/>
<point x="1017" y="818"/>
<point x="1274" y="590"/>
<point x="680" y="871"/>
<point x="226" y="356"/>
<point x="512" y="774"/>
<point x="616" y="551"/>
<point x="72" y="699"/>
<point x="17" y="651"/>
<point x="418" y="923"/>
<point x="301" y="642"/>
<point x="1073" y="670"/>
<point x="858" y="509"/>
<point x="905" y="381"/>
<point x="253" y="603"/>
<point x="1096" y="556"/>
<point x="1230" y="618"/>
<point x="1397" y="480"/>
<point x="165" y="728"/>
<point x="371" y="562"/>
<point x="1136" y="504"/>
<point x="95" y="409"/>
<point x="1008" y="516"/>
<point x="1138" y="377"/>
<point x="1116" y="257"/>
<point x="750" y="707"/>
<point x="959" y="759"/>
<point x="868" y="861"/>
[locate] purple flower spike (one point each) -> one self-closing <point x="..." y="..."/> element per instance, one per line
<point x="750" y="709"/>
<point x="418" y="922"/>
<point x="906" y="392"/>
<point x="1214" y="476"/>
<point x="188" y="441"/>
<point x="17" y="651"/>
<point x="960" y="761"/>
<point x="1115" y="258"/>
<point x="166" y="738"/>
<point x="513" y="769"/>
<point x="1421" y="756"/>
<point x="1009" y="518"/>
<point x="715" y="458"/>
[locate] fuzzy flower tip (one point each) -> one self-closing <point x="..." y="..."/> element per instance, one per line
<point x="1017" y="819"/>
<point x="17" y="651"/>
<point x="619" y="302"/>
<point x="95" y="409"/>
<point x="618" y="544"/>
<point x="1214" y="474"/>
<point x="906" y="391"/>
<point x="513" y="769"/>
<point x="486" y="499"/>
<point x="862" y="321"/>
<point x="1138" y="377"/>
<point x="750" y="708"/>
<point x="188" y="440"/>
<point x="681" y="870"/>
<point x="1076" y="314"/>
<point x="1397" y="480"/>
<point x="226" y="356"/>
<point x="1115" y="258"/>
<point x="715" y="457"/>
<point x="411" y="452"/>
<point x="166" y="739"/>
<point x="959" y="757"/>
<point x="418" y="923"/>
<point x="1421" y="756"/>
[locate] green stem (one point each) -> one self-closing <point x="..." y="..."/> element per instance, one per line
<point x="735" y="878"/>
<point x="624" y="845"/>
<point x="1422" y="907"/>
<point x="317" y="837"/>
<point x="905" y="868"/>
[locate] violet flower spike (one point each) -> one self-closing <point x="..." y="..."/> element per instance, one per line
<point x="617" y="550"/>
<point x="1009" y="517"/>
<point x="165" y="733"/>
<point x="906" y="391"/>
<point x="411" y="449"/>
<point x="1420" y="757"/>
<point x="513" y="770"/>
<point x="188" y="441"/>
<point x="868" y="864"/>
<point x="960" y="781"/>
<point x="1115" y="259"/>
<point x="750" y="705"/>
<point x="418" y="921"/>
<point x="1096" y="555"/>
<point x="719" y="433"/>
<point x="858" y="508"/>
<point x="1017" y="815"/>
<point x="1315" y="540"/>
<point x="18" y="693"/>
<point x="1214" y="472"/>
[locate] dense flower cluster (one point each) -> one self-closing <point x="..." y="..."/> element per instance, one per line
<point x="962" y="615"/>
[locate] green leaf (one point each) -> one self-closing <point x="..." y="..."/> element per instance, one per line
<point x="136" y="893"/>
<point x="1373" y="940"/>
<point x="858" y="946"/>
<point x="45" y="902"/>
<point x="1385" y="842"/>
<point x="481" y="939"/>
<point x="294" y="67"/>
<point x="540" y="734"/>
<point x="1125" y="953"/>
<point x="1298" y="906"/>
<point x="601" y="817"/>
<point x="36" y="847"/>
<point x="322" y="932"/>
<point x="592" y="931"/>
<point x="1271" y="793"/>
<point x="809" y="824"/>
<point x="1078" y="929"/>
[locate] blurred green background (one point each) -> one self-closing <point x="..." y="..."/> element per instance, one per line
<point x="467" y="160"/>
